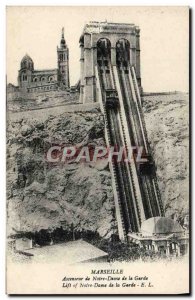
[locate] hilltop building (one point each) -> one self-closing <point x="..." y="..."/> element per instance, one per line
<point x="32" y="80"/>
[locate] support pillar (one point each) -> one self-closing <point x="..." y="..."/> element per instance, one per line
<point x="88" y="70"/>
<point x="178" y="250"/>
<point x="81" y="73"/>
<point x="94" y="62"/>
<point x="138" y="71"/>
<point x="113" y="56"/>
<point x="168" y="249"/>
<point x="133" y="49"/>
<point x="155" y="247"/>
<point x="133" y="57"/>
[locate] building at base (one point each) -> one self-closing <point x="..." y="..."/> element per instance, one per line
<point x="162" y="235"/>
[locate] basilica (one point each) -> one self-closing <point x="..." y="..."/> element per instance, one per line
<point x="31" y="80"/>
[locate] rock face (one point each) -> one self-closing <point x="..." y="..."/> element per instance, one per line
<point x="41" y="195"/>
<point x="22" y="101"/>
<point x="168" y="131"/>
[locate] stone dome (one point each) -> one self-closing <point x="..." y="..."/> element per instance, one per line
<point x="160" y="226"/>
<point x="27" y="62"/>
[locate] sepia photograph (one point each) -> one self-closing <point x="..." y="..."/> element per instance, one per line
<point x="97" y="146"/>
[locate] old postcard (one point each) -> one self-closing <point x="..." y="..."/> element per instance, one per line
<point x="97" y="150"/>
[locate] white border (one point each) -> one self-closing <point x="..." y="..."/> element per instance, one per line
<point x="3" y="5"/>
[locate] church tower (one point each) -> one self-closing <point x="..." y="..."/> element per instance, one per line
<point x="25" y="72"/>
<point x="63" y="63"/>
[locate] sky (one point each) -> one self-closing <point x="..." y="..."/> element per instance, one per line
<point x="164" y="40"/>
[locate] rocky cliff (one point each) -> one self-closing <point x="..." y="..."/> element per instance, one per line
<point x="45" y="196"/>
<point x="167" y="121"/>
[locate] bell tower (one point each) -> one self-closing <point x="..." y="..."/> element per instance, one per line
<point x="25" y="72"/>
<point x="63" y="63"/>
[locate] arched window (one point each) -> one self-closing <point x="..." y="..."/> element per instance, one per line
<point x="50" y="79"/>
<point x="24" y="77"/>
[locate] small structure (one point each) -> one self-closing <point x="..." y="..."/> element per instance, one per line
<point x="162" y="235"/>
<point x="72" y="252"/>
<point x="22" y="244"/>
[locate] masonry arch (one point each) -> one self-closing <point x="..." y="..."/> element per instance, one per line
<point x="50" y="78"/>
<point x="122" y="52"/>
<point x="103" y="49"/>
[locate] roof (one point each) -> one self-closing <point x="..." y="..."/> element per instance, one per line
<point x="70" y="252"/>
<point x="23" y="239"/>
<point x="137" y="237"/>
<point x="105" y="23"/>
<point x="27" y="58"/>
<point x="160" y="225"/>
<point x="97" y="27"/>
<point x="46" y="71"/>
